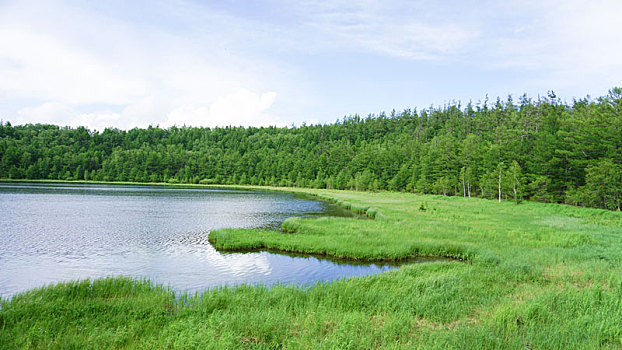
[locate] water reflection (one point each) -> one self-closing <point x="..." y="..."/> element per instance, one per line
<point x="54" y="233"/>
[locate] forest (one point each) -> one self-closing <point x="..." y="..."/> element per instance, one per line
<point x="540" y="149"/>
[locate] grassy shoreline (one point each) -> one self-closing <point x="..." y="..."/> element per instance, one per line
<point x="539" y="276"/>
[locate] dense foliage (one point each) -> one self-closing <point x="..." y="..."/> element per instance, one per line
<point x="544" y="150"/>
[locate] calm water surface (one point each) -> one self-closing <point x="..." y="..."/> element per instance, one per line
<point x="56" y="232"/>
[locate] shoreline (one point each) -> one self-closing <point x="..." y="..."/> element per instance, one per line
<point x="546" y="275"/>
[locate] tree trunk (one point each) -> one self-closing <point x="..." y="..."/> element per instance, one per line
<point x="499" y="185"/>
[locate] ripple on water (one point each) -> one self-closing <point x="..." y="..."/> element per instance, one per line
<point x="55" y="233"/>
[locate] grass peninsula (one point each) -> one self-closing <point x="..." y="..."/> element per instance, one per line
<point x="532" y="275"/>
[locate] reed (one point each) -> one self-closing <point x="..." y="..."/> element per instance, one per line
<point x="532" y="276"/>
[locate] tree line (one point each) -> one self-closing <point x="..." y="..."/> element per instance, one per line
<point x="544" y="149"/>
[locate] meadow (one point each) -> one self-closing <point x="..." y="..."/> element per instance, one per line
<point x="528" y="276"/>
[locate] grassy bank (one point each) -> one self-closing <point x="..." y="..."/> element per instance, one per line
<point x="532" y="276"/>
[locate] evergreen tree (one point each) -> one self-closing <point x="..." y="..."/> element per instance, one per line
<point x="545" y="150"/>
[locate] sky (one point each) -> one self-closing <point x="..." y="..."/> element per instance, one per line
<point x="129" y="64"/>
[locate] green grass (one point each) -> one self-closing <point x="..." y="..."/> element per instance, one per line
<point x="533" y="276"/>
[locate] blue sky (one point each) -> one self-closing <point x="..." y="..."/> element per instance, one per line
<point x="216" y="63"/>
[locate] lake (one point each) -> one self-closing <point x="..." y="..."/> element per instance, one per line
<point x="58" y="232"/>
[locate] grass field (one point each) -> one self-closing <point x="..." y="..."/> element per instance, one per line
<point x="528" y="276"/>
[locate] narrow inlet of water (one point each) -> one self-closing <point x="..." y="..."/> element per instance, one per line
<point x="52" y="233"/>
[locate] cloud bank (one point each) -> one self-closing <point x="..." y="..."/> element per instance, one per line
<point x="275" y="62"/>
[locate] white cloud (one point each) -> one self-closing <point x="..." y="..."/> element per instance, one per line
<point x="563" y="45"/>
<point x="415" y="40"/>
<point x="42" y="66"/>
<point x="59" y="113"/>
<point x="217" y="63"/>
<point x="242" y="108"/>
<point x="61" y="56"/>
<point x="394" y="28"/>
<point x="589" y="50"/>
<point x="49" y="112"/>
<point x="147" y="109"/>
<point x="96" y="120"/>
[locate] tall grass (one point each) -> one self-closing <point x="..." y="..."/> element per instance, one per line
<point x="534" y="276"/>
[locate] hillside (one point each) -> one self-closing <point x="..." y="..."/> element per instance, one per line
<point x="545" y="150"/>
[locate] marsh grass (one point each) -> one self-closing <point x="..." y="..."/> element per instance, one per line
<point x="533" y="276"/>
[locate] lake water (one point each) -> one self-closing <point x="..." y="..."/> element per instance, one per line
<point x="58" y="232"/>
